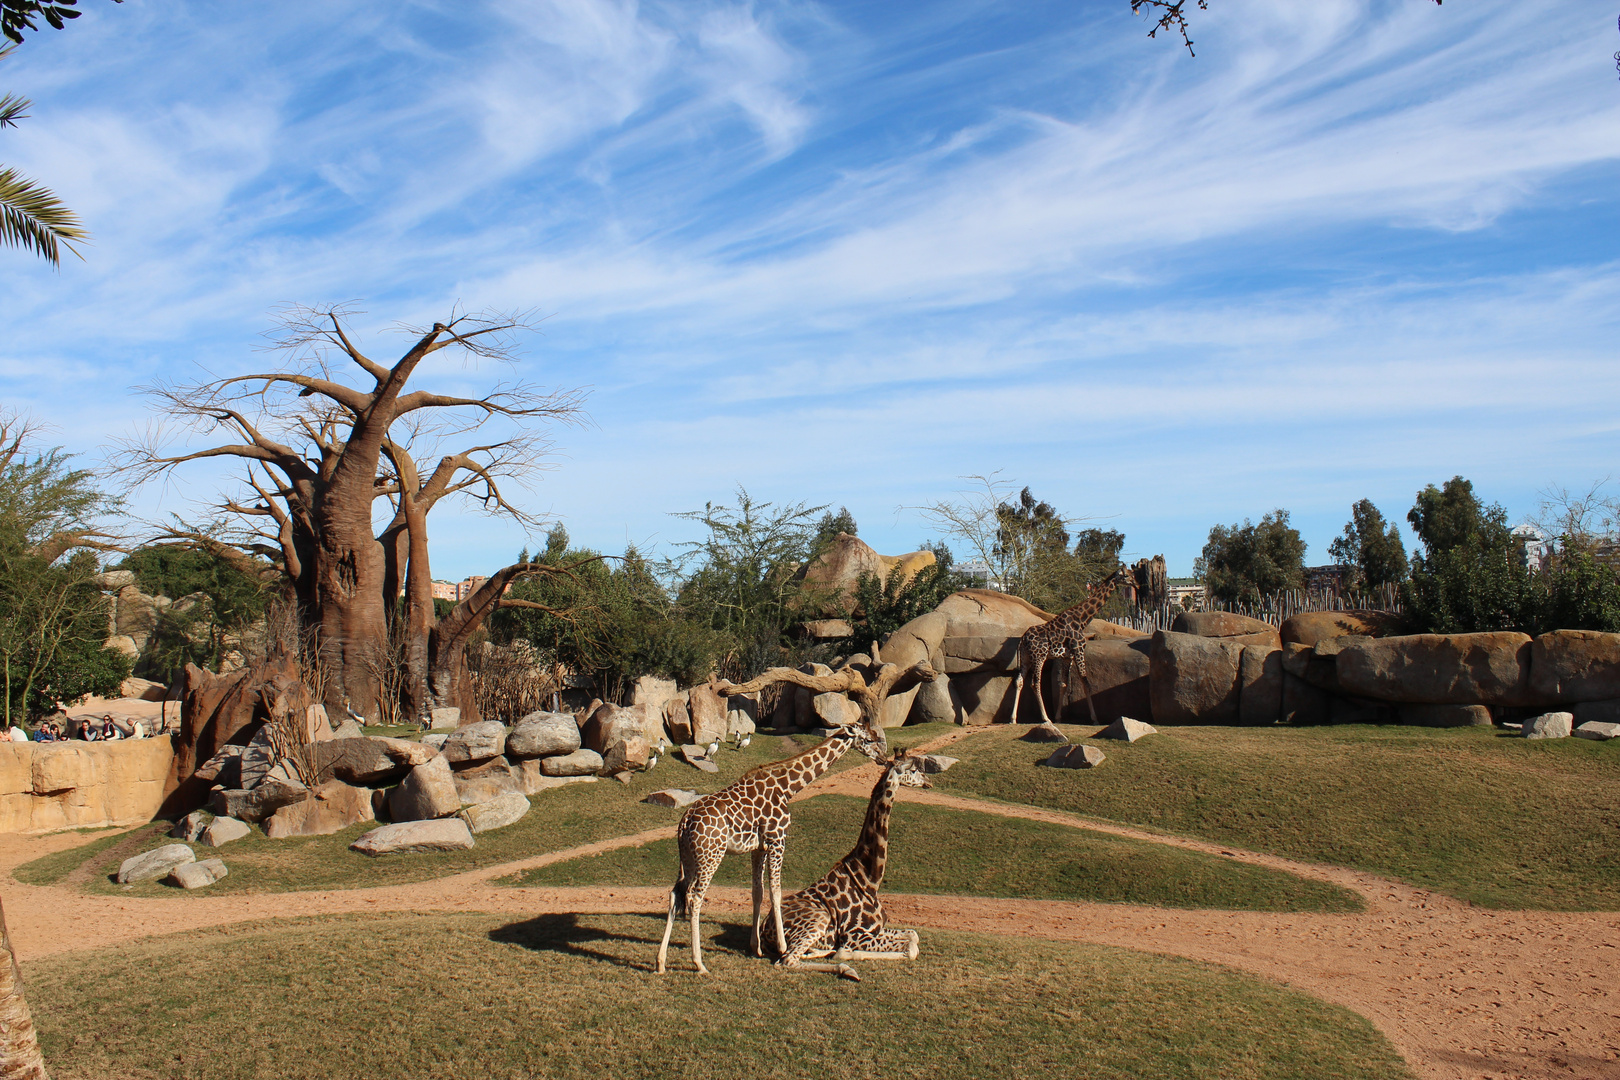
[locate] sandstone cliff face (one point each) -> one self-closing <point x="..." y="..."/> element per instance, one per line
<point x="840" y="567"/>
<point x="80" y="785"/>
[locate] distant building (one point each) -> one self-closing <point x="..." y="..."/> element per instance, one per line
<point x="1532" y="546"/>
<point x="457" y="591"/>
<point x="980" y="573"/>
<point x="1185" y="593"/>
<point x="444" y="590"/>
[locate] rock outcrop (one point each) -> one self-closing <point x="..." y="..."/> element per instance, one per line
<point x="81" y="785"/>
<point x="1439" y="669"/>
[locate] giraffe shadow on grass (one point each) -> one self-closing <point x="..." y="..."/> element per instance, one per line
<point x="564" y="933"/>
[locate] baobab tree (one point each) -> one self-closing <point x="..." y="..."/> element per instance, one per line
<point x="326" y="439"/>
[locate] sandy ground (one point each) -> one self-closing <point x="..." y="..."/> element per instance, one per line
<point x="1462" y="992"/>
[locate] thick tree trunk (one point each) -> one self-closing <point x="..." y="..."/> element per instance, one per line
<point x="20" y="1058"/>
<point x="418" y="615"/>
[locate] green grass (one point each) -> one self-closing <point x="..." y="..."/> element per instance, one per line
<point x="935" y="850"/>
<point x="561" y="818"/>
<point x="480" y="997"/>
<point x="54" y="867"/>
<point x="1501" y="822"/>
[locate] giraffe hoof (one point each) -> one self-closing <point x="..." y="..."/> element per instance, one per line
<point x="847" y="972"/>
<point x="912" y="950"/>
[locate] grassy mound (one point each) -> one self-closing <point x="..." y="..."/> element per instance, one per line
<point x="1498" y="821"/>
<point x="480" y="997"/>
<point x="561" y="819"/>
<point x="934" y="850"/>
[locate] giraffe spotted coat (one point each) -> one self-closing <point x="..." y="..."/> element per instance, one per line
<point x="1063" y="635"/>
<point x="751" y="815"/>
<point x="842" y="914"/>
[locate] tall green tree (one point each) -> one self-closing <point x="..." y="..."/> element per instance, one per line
<point x="1242" y="563"/>
<point x="53" y="618"/>
<point x="1372" y="546"/>
<point x="1469" y="576"/>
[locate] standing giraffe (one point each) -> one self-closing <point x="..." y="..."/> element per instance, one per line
<point x="841" y="915"/>
<point x="1063" y="635"/>
<point x="751" y="815"/>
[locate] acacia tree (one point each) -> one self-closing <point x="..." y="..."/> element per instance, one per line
<point x="324" y="441"/>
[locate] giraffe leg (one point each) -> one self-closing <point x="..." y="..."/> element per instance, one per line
<point x="882" y="945"/>
<point x="759" y="896"/>
<point x="774" y="861"/>
<point x="1035" y="688"/>
<point x="694" y="913"/>
<point x="677" y="900"/>
<point x="1085" y="685"/>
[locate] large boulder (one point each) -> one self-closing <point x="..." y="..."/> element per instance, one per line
<point x="1311" y="664"/>
<point x="222" y="830"/>
<point x="197" y="875"/>
<point x="609" y="724"/>
<point x="742" y="716"/>
<point x="444" y="834"/>
<point x="652" y="691"/>
<point x="1218" y="624"/>
<point x="1194" y="679"/>
<point x="678" y="718"/>
<point x="917" y="640"/>
<point x="1575" y="665"/>
<point x="331" y="806"/>
<point x="933" y="702"/>
<point x="834" y="710"/>
<point x="496" y="813"/>
<point x="544" y="734"/>
<point x="833" y="575"/>
<point x="1304" y="703"/>
<point x="154" y="864"/>
<point x="428" y="791"/>
<point x="1444" y="716"/>
<point x="1101" y="629"/>
<point x="531" y="780"/>
<point x="979" y="697"/>
<point x="259" y="803"/>
<point x="1127" y="730"/>
<point x="1310" y="627"/>
<point x="489" y="780"/>
<point x="1553" y="725"/>
<point x="476" y="742"/>
<point x="626" y="755"/>
<point x="1077" y="756"/>
<point x="1117" y="669"/>
<point x="579" y="763"/>
<point x="708" y="712"/>
<point x="1439" y="669"/>
<point x="1260" y="685"/>
<point x="367" y="761"/>
<point x="982" y="630"/>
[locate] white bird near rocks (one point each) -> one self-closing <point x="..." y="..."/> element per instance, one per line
<point x="652" y="759"/>
<point x="714" y="748"/>
<point x="744" y="740"/>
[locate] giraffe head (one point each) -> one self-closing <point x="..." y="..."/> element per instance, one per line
<point x="869" y="740"/>
<point x="906" y="769"/>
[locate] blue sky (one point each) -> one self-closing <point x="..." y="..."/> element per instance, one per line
<point x="851" y="253"/>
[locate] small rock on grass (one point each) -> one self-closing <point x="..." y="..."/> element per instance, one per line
<point x="154" y="863"/>
<point x="936" y="763"/>
<point x="1553" y="725"/>
<point x="196" y="875"/>
<point x="1076" y="757"/>
<point x="1046" y="732"/>
<point x="222" y="830"/>
<point x="1127" y="729"/>
<point x="439" y="834"/>
<point x="673" y="797"/>
<point x="191" y="826"/>
<point x="1596" y="729"/>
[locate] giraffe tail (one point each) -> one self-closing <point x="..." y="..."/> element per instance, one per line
<point x="677" y="895"/>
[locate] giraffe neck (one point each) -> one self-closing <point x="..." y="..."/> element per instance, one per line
<point x="796" y="773"/>
<point x="872" y="849"/>
<point x="1081" y="614"/>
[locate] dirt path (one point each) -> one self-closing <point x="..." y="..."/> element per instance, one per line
<point x="1462" y="992"/>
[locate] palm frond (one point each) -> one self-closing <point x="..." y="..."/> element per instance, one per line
<point x="11" y="109"/>
<point x="33" y="218"/>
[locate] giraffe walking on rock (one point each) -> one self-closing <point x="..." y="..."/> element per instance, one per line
<point x="751" y="815"/>
<point x="841" y="915"/>
<point x="1063" y="635"/>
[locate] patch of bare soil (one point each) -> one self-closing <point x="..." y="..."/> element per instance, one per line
<point x="1461" y="991"/>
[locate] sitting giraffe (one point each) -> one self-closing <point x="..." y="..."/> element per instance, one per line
<point x="751" y="815"/>
<point x="1063" y="635"/>
<point x="841" y="915"/>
